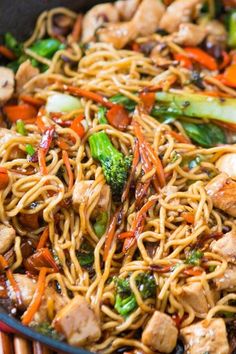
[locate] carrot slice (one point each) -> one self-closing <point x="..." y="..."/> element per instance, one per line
<point x="66" y="161"/>
<point x="118" y="117"/>
<point x="37" y="102"/>
<point x="179" y="137"/>
<point x="148" y="100"/>
<point x="77" y="126"/>
<point x="189" y="217"/>
<point x="43" y="239"/>
<point x="192" y="271"/>
<point x="25" y="112"/>
<point x="7" y="53"/>
<point x="183" y="60"/>
<point x="201" y="57"/>
<point x="42" y="162"/>
<point x="4" y="178"/>
<point x="37" y="298"/>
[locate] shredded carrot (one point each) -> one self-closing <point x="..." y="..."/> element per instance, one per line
<point x="215" y="94"/>
<point x="225" y="61"/>
<point x="179" y="137"/>
<point x="25" y="112"/>
<point x="76" y="91"/>
<point x="11" y="279"/>
<point x="76" y="32"/>
<point x="66" y="161"/>
<point x="7" y="53"/>
<point x="62" y="144"/>
<point x="125" y="235"/>
<point x="131" y="175"/>
<point x="189" y="217"/>
<point x="77" y="126"/>
<point x="148" y="100"/>
<point x="42" y="162"/>
<point x="201" y="57"/>
<point x="37" y="102"/>
<point x="183" y="60"/>
<point x="39" y="121"/>
<point x="37" y="298"/>
<point x="110" y="234"/>
<point x="226" y="80"/>
<point x="4" y="178"/>
<point x="43" y="238"/>
<point x="192" y="271"/>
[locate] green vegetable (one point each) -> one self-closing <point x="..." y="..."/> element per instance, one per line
<point x="212" y="268"/>
<point x="195" y="162"/>
<point x="61" y="102"/>
<point x="14" y="65"/>
<point x="124" y="101"/>
<point x="125" y="299"/>
<point x="206" y="135"/>
<point x="102" y="115"/>
<point x="232" y="29"/>
<point x="47" y="330"/>
<point x="101" y="224"/>
<point x="12" y="44"/>
<point x="194" y="257"/>
<point x="20" y="127"/>
<point x="47" y="47"/>
<point x="85" y="255"/>
<point x="197" y="105"/>
<point x="115" y="165"/>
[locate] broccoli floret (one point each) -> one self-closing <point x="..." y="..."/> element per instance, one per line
<point x="114" y="164"/>
<point x="126" y="302"/>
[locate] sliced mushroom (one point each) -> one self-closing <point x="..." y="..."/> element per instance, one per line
<point x="6" y="84"/>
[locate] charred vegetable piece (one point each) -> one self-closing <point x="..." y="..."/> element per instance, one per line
<point x="206" y="135"/>
<point x="125" y="299"/>
<point x="124" y="101"/>
<point x="194" y="257"/>
<point x="232" y="29"/>
<point x="101" y="224"/>
<point x="85" y="255"/>
<point x="115" y="165"/>
<point x="47" y="47"/>
<point x="197" y="105"/>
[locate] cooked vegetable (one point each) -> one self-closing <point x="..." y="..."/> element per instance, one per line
<point x="232" y="29"/>
<point x="124" y="101"/>
<point x="125" y="299"/>
<point x="43" y="238"/>
<point x="194" y="257"/>
<point x="5" y="266"/>
<point x="66" y="161"/>
<point x="85" y="255"/>
<point x="198" y="105"/>
<point x="20" y="127"/>
<point x="25" y="112"/>
<point x="4" y="178"/>
<point x="118" y="117"/>
<point x="206" y="135"/>
<point x="29" y="149"/>
<point x="201" y="57"/>
<point x="61" y="102"/>
<point x="77" y="125"/>
<point x="102" y="115"/>
<point x="115" y="165"/>
<point x="47" y="330"/>
<point x="101" y="224"/>
<point x="7" y="53"/>
<point x="12" y="44"/>
<point x="47" y="47"/>
<point x="40" y="259"/>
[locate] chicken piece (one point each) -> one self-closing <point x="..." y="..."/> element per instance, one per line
<point x="144" y="22"/>
<point x="226" y="246"/>
<point x="27" y="288"/>
<point x="5" y="136"/>
<point x="216" y="34"/>
<point x="193" y="295"/>
<point x="222" y="190"/>
<point x="96" y="17"/>
<point x="189" y="34"/>
<point x="82" y="191"/>
<point x="227" y="164"/>
<point x="126" y="8"/>
<point x="160" y="333"/>
<point x="78" y="322"/>
<point x="6" y="84"/>
<point x="148" y="16"/>
<point x="180" y="11"/>
<point x="118" y="34"/>
<point x="226" y="280"/>
<point x="25" y="73"/>
<point x="201" y="338"/>
<point x="7" y="237"/>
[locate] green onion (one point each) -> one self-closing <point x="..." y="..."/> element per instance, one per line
<point x="102" y="115"/>
<point x="20" y="127"/>
<point x="29" y="149"/>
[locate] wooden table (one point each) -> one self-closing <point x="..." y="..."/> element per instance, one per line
<point x="13" y="344"/>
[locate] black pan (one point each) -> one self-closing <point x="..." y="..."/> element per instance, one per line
<point x="19" y="17"/>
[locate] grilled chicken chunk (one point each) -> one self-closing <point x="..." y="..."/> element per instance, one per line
<point x="193" y="295"/>
<point x="126" y="8"/>
<point x="180" y="11"/>
<point x="227" y="280"/>
<point x="25" y="73"/>
<point x="6" y="84"/>
<point x="96" y="17"/>
<point x="78" y="322"/>
<point x="201" y="338"/>
<point x="227" y="164"/>
<point x="189" y="34"/>
<point x="7" y="237"/>
<point x="222" y="190"/>
<point x="226" y="246"/>
<point x="160" y="333"/>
